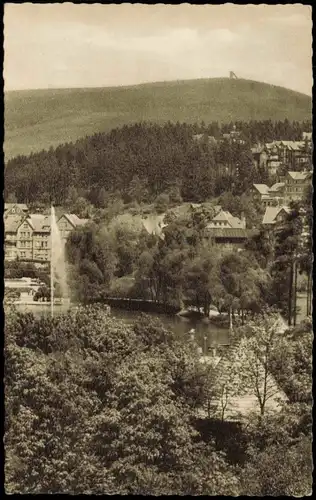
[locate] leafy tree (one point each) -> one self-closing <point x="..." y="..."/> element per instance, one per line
<point x="201" y="277"/>
<point x="243" y="281"/>
<point x="94" y="406"/>
<point x="102" y="198"/>
<point x="92" y="262"/>
<point x="287" y="250"/>
<point x="256" y="349"/>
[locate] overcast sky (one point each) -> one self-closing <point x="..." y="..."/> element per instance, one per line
<point x="68" y="45"/>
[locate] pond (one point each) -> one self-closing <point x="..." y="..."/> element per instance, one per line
<point x="206" y="334"/>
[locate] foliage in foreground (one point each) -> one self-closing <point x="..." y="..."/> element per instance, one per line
<point x="96" y="406"/>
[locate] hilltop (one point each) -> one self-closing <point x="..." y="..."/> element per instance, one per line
<point x="39" y="119"/>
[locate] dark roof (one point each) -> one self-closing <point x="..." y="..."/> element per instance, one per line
<point x="229" y="233"/>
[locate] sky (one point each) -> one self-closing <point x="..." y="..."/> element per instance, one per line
<point x="68" y="45"/>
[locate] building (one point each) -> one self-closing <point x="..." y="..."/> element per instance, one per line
<point x="15" y="209"/>
<point x="67" y="223"/>
<point x="227" y="230"/>
<point x="234" y="136"/>
<point x="295" y="155"/>
<point x="24" y="238"/>
<point x="292" y="155"/>
<point x="28" y="237"/>
<point x="273" y="215"/>
<point x="269" y="196"/>
<point x="260" y="157"/>
<point x="41" y="237"/>
<point x="204" y="138"/>
<point x="225" y="219"/>
<point x="296" y="184"/>
<point x="229" y="237"/>
<point x="12" y="223"/>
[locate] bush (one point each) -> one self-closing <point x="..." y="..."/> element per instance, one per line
<point x="162" y="202"/>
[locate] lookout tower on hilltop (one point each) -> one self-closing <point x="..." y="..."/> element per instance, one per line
<point x="232" y="75"/>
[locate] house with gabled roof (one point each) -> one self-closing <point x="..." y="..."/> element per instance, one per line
<point x="227" y="230"/>
<point x="269" y="196"/>
<point x="68" y="222"/>
<point x="11" y="225"/>
<point x="28" y="237"/>
<point x="41" y="236"/>
<point x="24" y="237"/>
<point x="15" y="209"/>
<point x="225" y="219"/>
<point x="296" y="184"/>
<point x="273" y="215"/>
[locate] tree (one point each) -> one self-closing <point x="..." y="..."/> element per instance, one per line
<point x="256" y="348"/>
<point x="102" y="198"/>
<point x="94" y="406"/>
<point x="278" y="435"/>
<point x="201" y="278"/>
<point x="138" y="190"/>
<point x="243" y="281"/>
<point x="80" y="207"/>
<point x="287" y="250"/>
<point x="89" y="251"/>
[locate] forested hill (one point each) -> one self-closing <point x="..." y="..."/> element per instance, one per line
<point x="39" y="119"/>
<point x="145" y="160"/>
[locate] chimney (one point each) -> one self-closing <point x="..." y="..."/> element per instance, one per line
<point x="243" y="220"/>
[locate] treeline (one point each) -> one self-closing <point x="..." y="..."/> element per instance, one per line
<point x="142" y="161"/>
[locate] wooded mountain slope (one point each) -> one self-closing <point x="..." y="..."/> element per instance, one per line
<point x="39" y="119"/>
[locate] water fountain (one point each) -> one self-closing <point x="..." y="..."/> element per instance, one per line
<point x="58" y="271"/>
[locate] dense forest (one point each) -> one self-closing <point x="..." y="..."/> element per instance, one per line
<point x="144" y="160"/>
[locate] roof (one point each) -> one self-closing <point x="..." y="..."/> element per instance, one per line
<point x="299" y="176"/>
<point x="22" y="206"/>
<point x="277" y="186"/>
<point x="12" y="223"/>
<point x="273" y="144"/>
<point x="261" y="188"/>
<point x="40" y="223"/>
<point x="222" y="216"/>
<point x="228" y="232"/>
<point x="235" y="223"/>
<point x="295" y="145"/>
<point x="271" y="213"/>
<point x="74" y="219"/>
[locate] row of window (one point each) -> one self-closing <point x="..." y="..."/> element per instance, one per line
<point x="41" y="244"/>
<point x="25" y="244"/>
<point x="291" y="189"/>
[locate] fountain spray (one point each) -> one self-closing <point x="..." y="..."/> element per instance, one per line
<point x="58" y="270"/>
